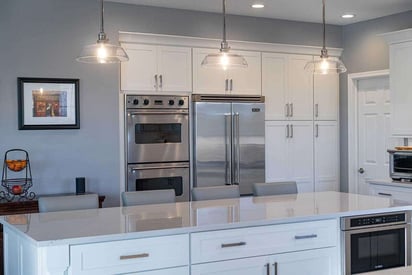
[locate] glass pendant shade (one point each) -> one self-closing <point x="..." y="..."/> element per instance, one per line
<point x="102" y="51"/>
<point x="326" y="65"/>
<point x="224" y="59"/>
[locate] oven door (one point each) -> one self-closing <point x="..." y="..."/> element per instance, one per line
<point x="376" y="248"/>
<point x="157" y="136"/>
<point x="160" y="176"/>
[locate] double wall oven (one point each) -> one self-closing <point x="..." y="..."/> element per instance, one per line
<point x="157" y="130"/>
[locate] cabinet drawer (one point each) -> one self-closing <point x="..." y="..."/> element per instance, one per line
<point x="263" y="240"/>
<point x="130" y="255"/>
<point x="393" y="192"/>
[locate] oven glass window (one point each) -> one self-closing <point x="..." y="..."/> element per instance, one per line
<point x="402" y="163"/>
<point x="377" y="250"/>
<point x="175" y="183"/>
<point x="147" y="133"/>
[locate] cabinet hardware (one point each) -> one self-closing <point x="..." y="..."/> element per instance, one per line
<point x="291" y="109"/>
<point x="225" y="245"/>
<point x="287" y="109"/>
<point x="291" y="130"/>
<point x="301" y="237"/>
<point x="275" y="267"/>
<point x="226" y="84"/>
<point x="267" y="269"/>
<point x="231" y="84"/>
<point x="287" y="131"/>
<point x="385" y="194"/>
<point x="361" y="170"/>
<point x="316" y="110"/>
<point x="155" y="81"/>
<point x="317" y="130"/>
<point x="159" y="167"/>
<point x="135" y="256"/>
<point x="161" y="81"/>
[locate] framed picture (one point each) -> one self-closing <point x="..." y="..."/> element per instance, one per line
<point x="48" y="103"/>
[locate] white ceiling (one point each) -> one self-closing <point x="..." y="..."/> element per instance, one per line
<point x="297" y="10"/>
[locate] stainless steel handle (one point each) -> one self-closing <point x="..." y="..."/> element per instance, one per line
<point x="161" y="81"/>
<point x="287" y="131"/>
<point x="291" y="130"/>
<point x="291" y="109"/>
<point x="237" y="148"/>
<point x="228" y="133"/>
<point x="385" y="194"/>
<point x="231" y="84"/>
<point x="301" y="237"/>
<point x="317" y="130"/>
<point x="155" y="81"/>
<point x="226" y="245"/>
<point x="160" y="113"/>
<point x="226" y="84"/>
<point x="267" y="269"/>
<point x="135" y="256"/>
<point x="287" y="109"/>
<point x="275" y="267"/>
<point x="316" y="110"/>
<point x="158" y="167"/>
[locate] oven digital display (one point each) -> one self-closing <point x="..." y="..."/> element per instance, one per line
<point x="158" y="102"/>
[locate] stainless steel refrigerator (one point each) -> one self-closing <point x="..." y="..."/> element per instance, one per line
<point x="229" y="141"/>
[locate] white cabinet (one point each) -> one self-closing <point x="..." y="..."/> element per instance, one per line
<point x="130" y="256"/>
<point x="397" y="193"/>
<point x="241" y="81"/>
<point x="326" y="96"/>
<point x="157" y="68"/>
<point x="288" y="88"/>
<point x="326" y="156"/>
<point x="289" y="152"/>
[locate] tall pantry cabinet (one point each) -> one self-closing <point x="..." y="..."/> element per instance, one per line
<point x="301" y="123"/>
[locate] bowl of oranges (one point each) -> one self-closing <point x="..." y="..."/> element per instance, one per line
<point x="16" y="165"/>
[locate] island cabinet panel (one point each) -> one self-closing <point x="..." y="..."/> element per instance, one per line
<point x="263" y="240"/>
<point x="130" y="255"/>
<point x="311" y="262"/>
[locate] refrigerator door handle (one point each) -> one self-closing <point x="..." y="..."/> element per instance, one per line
<point x="228" y="153"/>
<point x="237" y="149"/>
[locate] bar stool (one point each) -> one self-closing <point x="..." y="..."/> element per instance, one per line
<point x="148" y="197"/>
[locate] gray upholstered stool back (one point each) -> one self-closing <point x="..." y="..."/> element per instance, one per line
<point x="62" y="203"/>
<point x="275" y="188"/>
<point x="148" y="197"/>
<point x="215" y="192"/>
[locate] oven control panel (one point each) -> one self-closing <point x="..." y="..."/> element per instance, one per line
<point x="375" y="220"/>
<point x="156" y="102"/>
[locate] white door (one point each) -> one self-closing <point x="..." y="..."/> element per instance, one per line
<point x="175" y="69"/>
<point x="326" y="156"/>
<point x="246" y="266"/>
<point x="247" y="81"/>
<point x="326" y="96"/>
<point x="274" y="85"/>
<point x="374" y="130"/>
<point x="300" y="154"/>
<point x="300" y="86"/>
<point x="276" y="143"/>
<point x="138" y="74"/>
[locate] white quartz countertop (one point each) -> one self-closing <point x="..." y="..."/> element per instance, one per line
<point x="118" y="223"/>
<point x="389" y="182"/>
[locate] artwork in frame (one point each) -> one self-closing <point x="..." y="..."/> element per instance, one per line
<point x="48" y="103"/>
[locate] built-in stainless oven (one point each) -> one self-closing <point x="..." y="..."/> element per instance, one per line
<point x="156" y="176"/>
<point x="157" y="128"/>
<point x="375" y="242"/>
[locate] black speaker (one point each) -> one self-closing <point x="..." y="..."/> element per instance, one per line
<point x="80" y="185"/>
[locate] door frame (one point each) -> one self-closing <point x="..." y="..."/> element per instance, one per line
<point x="353" y="184"/>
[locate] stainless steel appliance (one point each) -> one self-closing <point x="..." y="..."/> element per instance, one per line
<point x="374" y="242"/>
<point x="229" y="141"/>
<point x="157" y="130"/>
<point x="400" y="164"/>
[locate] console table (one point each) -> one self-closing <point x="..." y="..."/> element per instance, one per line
<point x="23" y="207"/>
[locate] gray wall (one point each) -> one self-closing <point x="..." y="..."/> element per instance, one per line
<point x="41" y="38"/>
<point x="364" y="51"/>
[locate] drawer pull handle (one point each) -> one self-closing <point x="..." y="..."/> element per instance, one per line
<point x="225" y="245"/>
<point x="135" y="256"/>
<point x="385" y="194"/>
<point x="311" y="236"/>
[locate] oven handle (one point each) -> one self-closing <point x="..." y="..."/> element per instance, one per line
<point x="158" y="167"/>
<point x="182" y="112"/>
<point x="374" y="228"/>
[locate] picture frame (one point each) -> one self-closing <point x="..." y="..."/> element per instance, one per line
<point x="48" y="103"/>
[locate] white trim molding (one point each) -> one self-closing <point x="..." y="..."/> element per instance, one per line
<point x="353" y="79"/>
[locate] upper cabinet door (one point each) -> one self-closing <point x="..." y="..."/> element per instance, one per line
<point x="246" y="81"/>
<point x="326" y="89"/>
<point x="274" y="85"/>
<point x="300" y="86"/>
<point x="207" y="80"/>
<point x="138" y="74"/>
<point x="174" y="69"/>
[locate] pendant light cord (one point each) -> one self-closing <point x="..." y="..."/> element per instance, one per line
<point x="324" y="24"/>
<point x="102" y="36"/>
<point x="224" y="20"/>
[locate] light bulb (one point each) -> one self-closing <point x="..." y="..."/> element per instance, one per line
<point x="324" y="66"/>
<point x="102" y="54"/>
<point x="224" y="61"/>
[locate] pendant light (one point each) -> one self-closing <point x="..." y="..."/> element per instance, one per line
<point x="326" y="64"/>
<point x="224" y="59"/>
<point x="102" y="52"/>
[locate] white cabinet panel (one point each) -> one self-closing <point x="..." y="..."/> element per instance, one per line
<point x="156" y="68"/>
<point x="246" y="81"/>
<point x="248" y="266"/>
<point x="168" y="271"/>
<point x="289" y="152"/>
<point x="326" y="96"/>
<point x="326" y="156"/>
<point x="402" y="194"/>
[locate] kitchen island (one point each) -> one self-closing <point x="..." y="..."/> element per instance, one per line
<point x="250" y="235"/>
